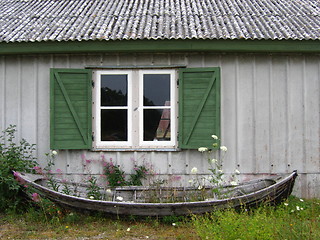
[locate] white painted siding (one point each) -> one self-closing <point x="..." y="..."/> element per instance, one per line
<point x="270" y="119"/>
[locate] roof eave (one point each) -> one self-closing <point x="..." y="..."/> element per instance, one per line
<point x="188" y="45"/>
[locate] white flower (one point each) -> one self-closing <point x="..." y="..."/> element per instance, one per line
<point x="286" y="204"/>
<point x="200" y="187"/>
<point x="108" y="191"/>
<point x="194" y="170"/>
<point x="233" y="183"/>
<point x="224" y="148"/>
<point x="237" y="171"/>
<point x="215" y="137"/>
<point x="301" y="200"/>
<point x="119" y="198"/>
<point x="298" y="208"/>
<point x="173" y="224"/>
<point x="128" y="229"/>
<point x="54" y="152"/>
<point x="91" y="197"/>
<point x="214" y="160"/>
<point x="202" y="149"/>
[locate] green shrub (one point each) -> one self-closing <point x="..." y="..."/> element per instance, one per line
<point x="116" y="176"/>
<point x="13" y="157"/>
<point x="140" y="173"/>
<point x="295" y="219"/>
<point x="93" y="190"/>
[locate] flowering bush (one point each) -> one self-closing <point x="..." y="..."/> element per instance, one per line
<point x="93" y="190"/>
<point x="47" y="171"/>
<point x="215" y="158"/>
<point x="13" y="157"/>
<point x="140" y="172"/>
<point x="116" y="177"/>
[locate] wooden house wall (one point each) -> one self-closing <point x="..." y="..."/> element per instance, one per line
<point x="270" y="113"/>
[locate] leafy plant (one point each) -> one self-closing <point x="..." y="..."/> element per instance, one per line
<point x="115" y="176"/>
<point x="47" y="172"/>
<point x="52" y="183"/>
<point x="13" y="157"/>
<point x="66" y="188"/>
<point x="215" y="158"/>
<point x="93" y="190"/>
<point x="140" y="172"/>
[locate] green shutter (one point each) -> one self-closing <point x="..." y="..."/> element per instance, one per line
<point x="199" y="107"/>
<point x="70" y="109"/>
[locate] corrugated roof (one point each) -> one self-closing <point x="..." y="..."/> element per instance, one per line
<point x="64" y="20"/>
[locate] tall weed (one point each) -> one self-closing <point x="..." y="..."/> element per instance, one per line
<point x="14" y="156"/>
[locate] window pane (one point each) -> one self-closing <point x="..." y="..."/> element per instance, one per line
<point x="114" y="125"/>
<point x="156" y="89"/>
<point x="114" y="90"/>
<point x="156" y="125"/>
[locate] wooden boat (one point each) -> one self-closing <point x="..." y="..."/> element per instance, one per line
<point x="137" y="201"/>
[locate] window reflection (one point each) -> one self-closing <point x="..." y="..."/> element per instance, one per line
<point x="156" y="92"/>
<point x="114" y="90"/>
<point x="156" y="89"/>
<point x="156" y="125"/>
<point x="114" y="125"/>
<point x="114" y="122"/>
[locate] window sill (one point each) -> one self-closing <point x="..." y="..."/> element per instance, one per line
<point x="136" y="149"/>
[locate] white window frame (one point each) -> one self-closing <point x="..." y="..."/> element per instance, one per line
<point x="172" y="108"/>
<point x="135" y="112"/>
<point x="97" y="110"/>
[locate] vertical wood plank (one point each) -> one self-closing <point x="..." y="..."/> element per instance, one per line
<point x="12" y="102"/>
<point x="2" y="93"/>
<point x="28" y="99"/>
<point x="312" y="114"/>
<point x="262" y="115"/>
<point x="110" y="60"/>
<point x="296" y="111"/>
<point x="229" y="110"/>
<point x="245" y="117"/>
<point x="161" y="59"/>
<point x="279" y="114"/>
<point x="44" y="63"/>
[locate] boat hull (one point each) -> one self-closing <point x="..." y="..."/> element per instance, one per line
<point x="272" y="193"/>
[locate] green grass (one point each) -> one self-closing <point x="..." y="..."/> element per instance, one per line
<point x="295" y="219"/>
<point x="69" y="225"/>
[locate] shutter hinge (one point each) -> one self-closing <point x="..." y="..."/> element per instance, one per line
<point x="177" y="82"/>
<point x="92" y="137"/>
<point x="92" y="84"/>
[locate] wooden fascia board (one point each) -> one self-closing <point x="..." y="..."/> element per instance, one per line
<point x="188" y="45"/>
